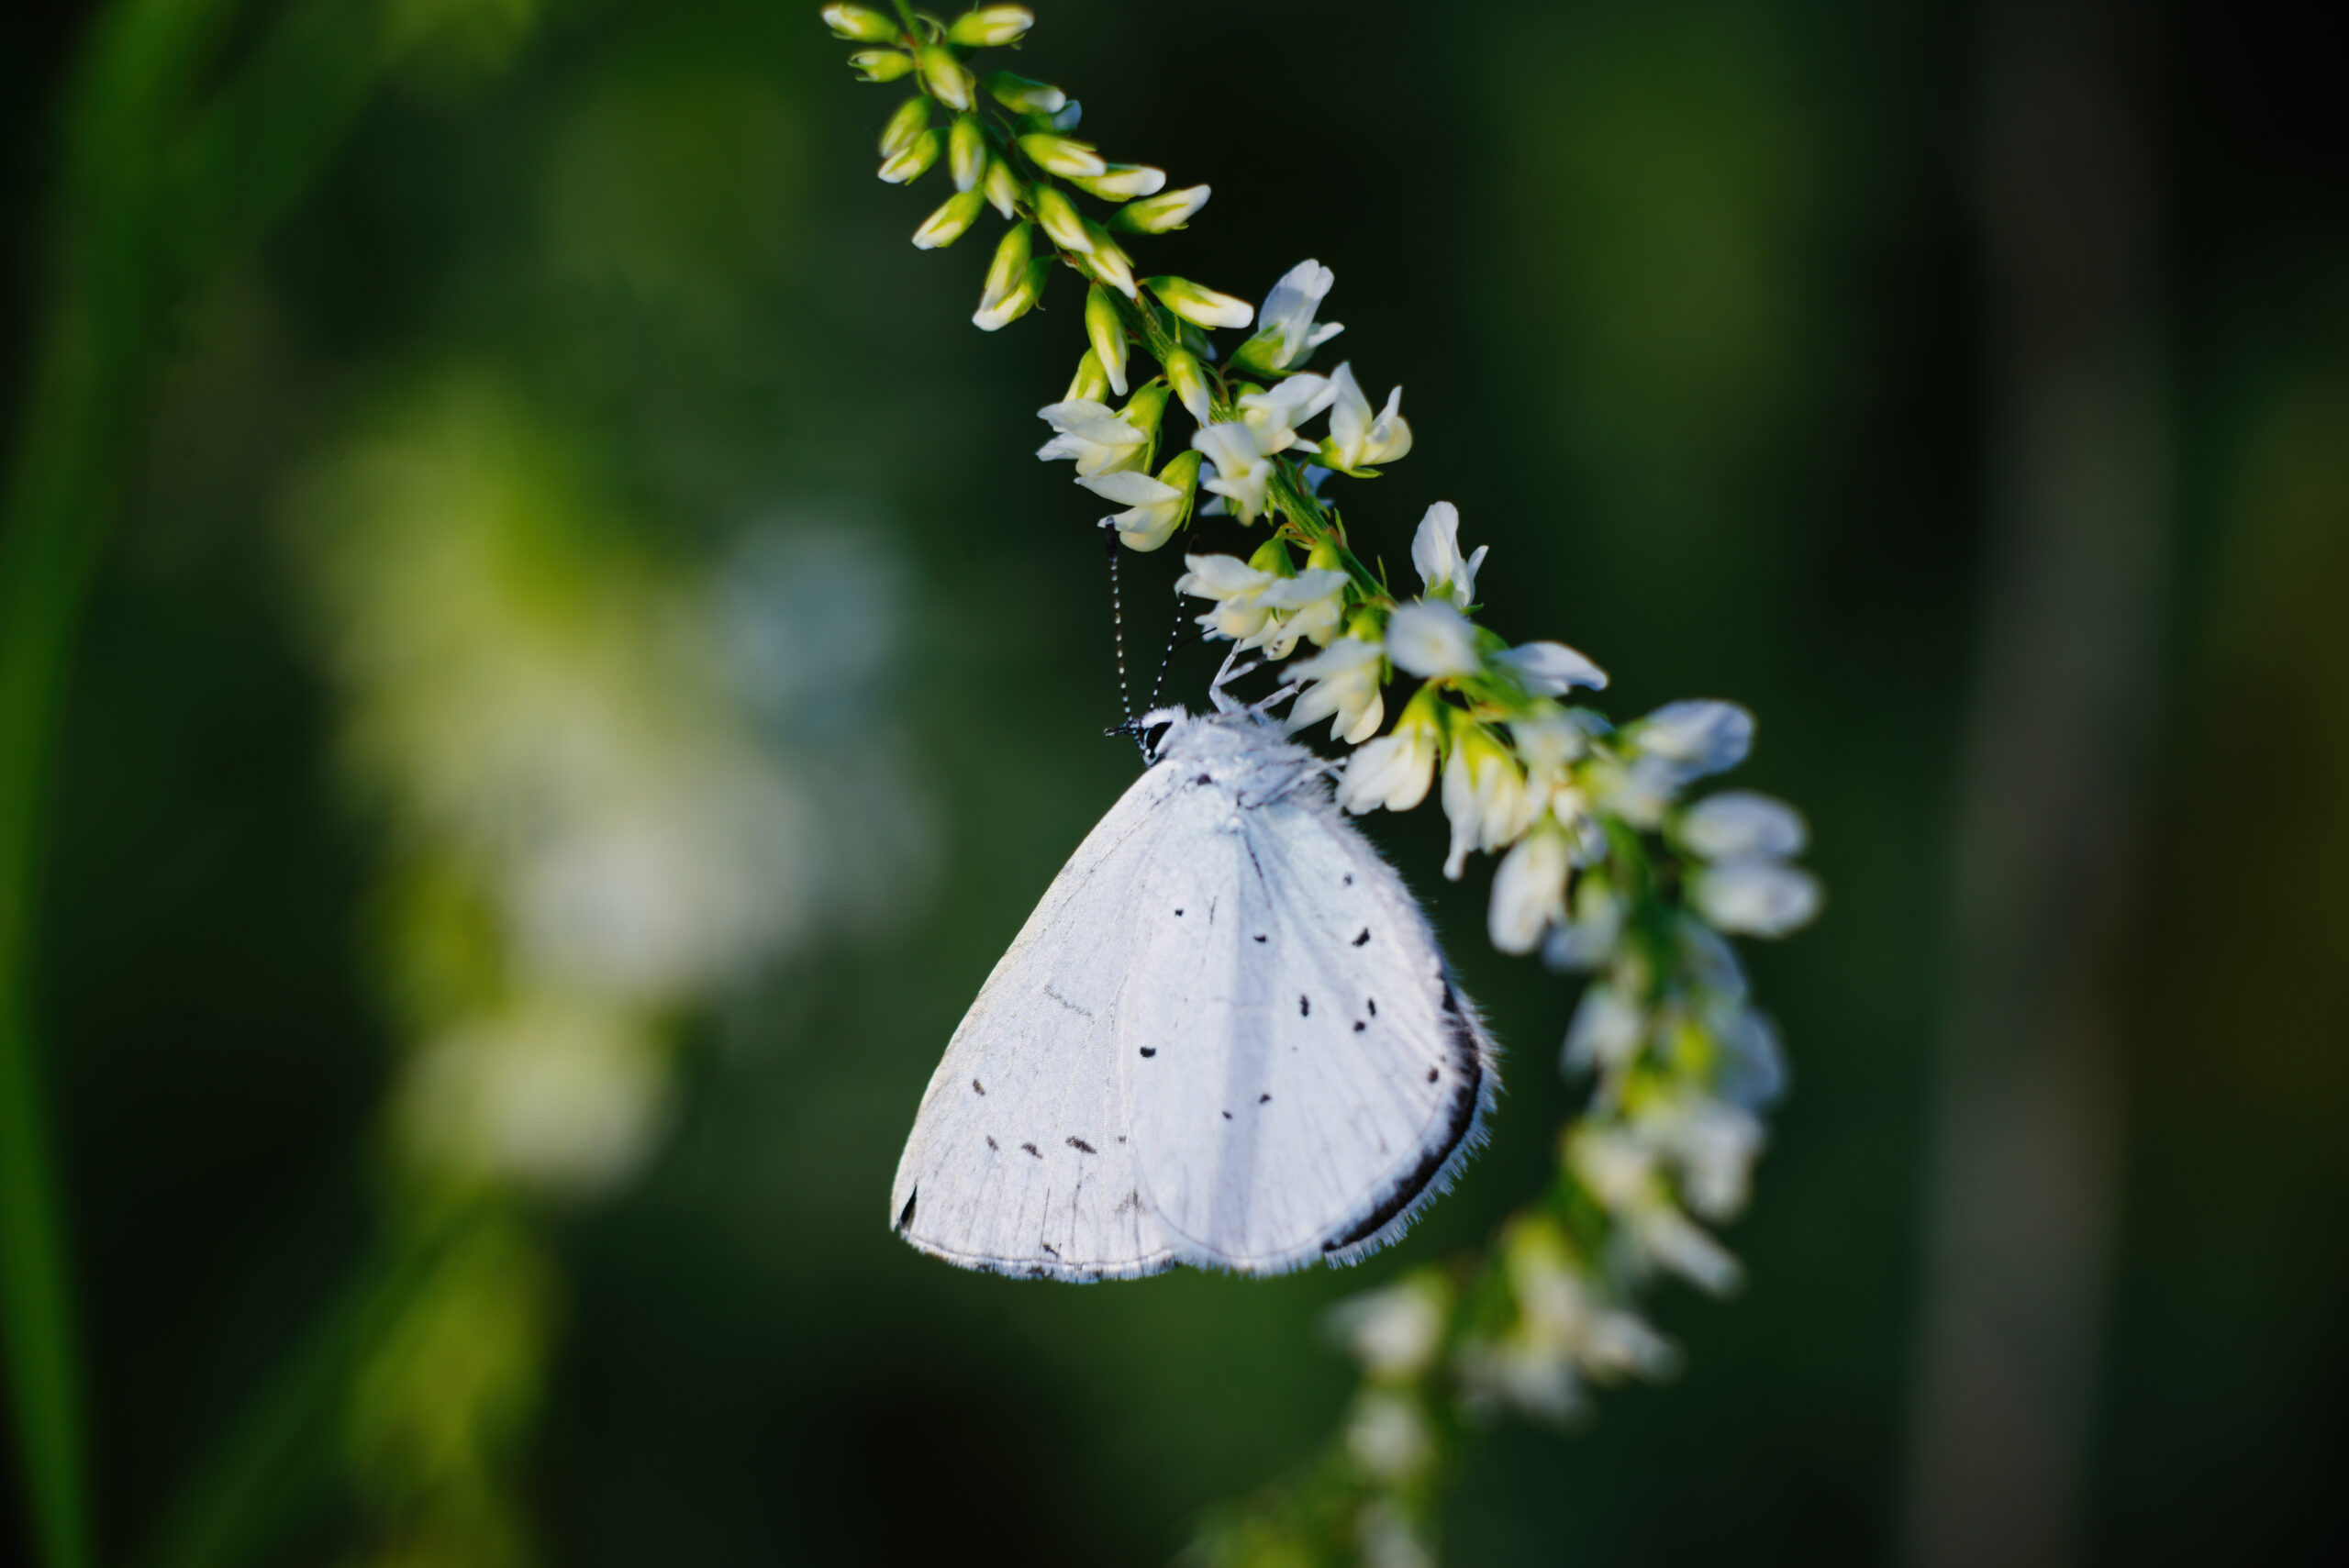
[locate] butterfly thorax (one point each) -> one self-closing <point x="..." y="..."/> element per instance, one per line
<point x="1245" y="754"/>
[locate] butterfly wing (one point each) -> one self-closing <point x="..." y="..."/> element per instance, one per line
<point x="1019" y="1160"/>
<point x="1301" y="1074"/>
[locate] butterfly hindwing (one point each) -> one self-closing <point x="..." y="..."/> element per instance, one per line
<point x="1302" y="1074"/>
<point x="1019" y="1161"/>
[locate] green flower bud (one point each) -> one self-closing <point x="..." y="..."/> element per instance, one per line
<point x="1109" y="263"/>
<point x="1108" y="333"/>
<point x="1060" y="221"/>
<point x="1059" y="155"/>
<point x="989" y="26"/>
<point x="1002" y="187"/>
<point x="950" y="222"/>
<point x="1157" y="215"/>
<point x="966" y="151"/>
<point x="1183" y="473"/>
<point x="1273" y="556"/>
<point x="857" y="22"/>
<point x="1145" y="408"/>
<point x="912" y="164"/>
<point x="881" y="65"/>
<point x="1012" y="253"/>
<point x="1123" y="181"/>
<point x="1022" y="96"/>
<point x="1090" y="384"/>
<point x="1018" y="302"/>
<point x="1199" y="305"/>
<point x="1190" y="384"/>
<point x="947" y="78"/>
<point x="910" y="121"/>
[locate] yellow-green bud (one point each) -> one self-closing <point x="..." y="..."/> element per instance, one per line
<point x="881" y="65"/>
<point x="1145" y="408"/>
<point x="1011" y="263"/>
<point x="1123" y="181"/>
<point x="1109" y="263"/>
<point x="1089" y="385"/>
<point x="989" y="26"/>
<point x="1002" y="188"/>
<point x="1157" y="215"/>
<point x="909" y="165"/>
<point x="1201" y="305"/>
<point x="1018" y="302"/>
<point x="1022" y="96"/>
<point x="857" y="22"/>
<point x="1059" y="217"/>
<point x="1059" y="155"/>
<point x="947" y="78"/>
<point x="1273" y="556"/>
<point x="950" y="222"/>
<point x="966" y="151"/>
<point x="1107" y="334"/>
<point x="1190" y="384"/>
<point x="910" y="121"/>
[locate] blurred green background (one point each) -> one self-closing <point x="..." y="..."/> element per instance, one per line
<point x="585" y="499"/>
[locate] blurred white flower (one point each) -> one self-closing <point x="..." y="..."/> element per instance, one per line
<point x="1387" y="1437"/>
<point x="1435" y="552"/>
<point x="1344" y="683"/>
<point x="1358" y="439"/>
<point x="1737" y="824"/>
<point x="1755" y="896"/>
<point x="1430" y="637"/>
<point x="1547" y="669"/>
<point x="561" y="1096"/>
<point x="1606" y="1029"/>
<point x="1392" y="770"/>
<point x="1092" y="433"/>
<point x="1395" y="1332"/>
<point x="1388" y="1540"/>
<point x="1703" y="737"/>
<point x="1485" y="797"/>
<point x="1529" y="890"/>
<point x="1711" y="1143"/>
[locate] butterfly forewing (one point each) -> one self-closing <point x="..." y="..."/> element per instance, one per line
<point x="1301" y="1074"/>
<point x="1020" y="1160"/>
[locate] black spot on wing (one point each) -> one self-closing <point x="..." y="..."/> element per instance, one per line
<point x="1260" y="935"/>
<point x="1080" y="1145"/>
<point x="1372" y="1001"/>
<point x="1261" y="1099"/>
<point x="906" y="1215"/>
<point x="977" y="1086"/>
<point x="1033" y="1150"/>
<point x="1363" y="937"/>
<point x="993" y="1144"/>
<point x="1305" y="1007"/>
<point x="1150" y="1051"/>
<point x="1460" y="1114"/>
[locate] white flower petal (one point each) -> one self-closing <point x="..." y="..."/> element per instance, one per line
<point x="1551" y="669"/>
<point x="1737" y="824"/>
<point x="1756" y="898"/>
<point x="1430" y="637"/>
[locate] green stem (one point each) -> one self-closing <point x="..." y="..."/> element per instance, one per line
<point x="152" y="201"/>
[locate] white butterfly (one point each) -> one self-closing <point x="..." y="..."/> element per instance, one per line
<point x="1226" y="1037"/>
